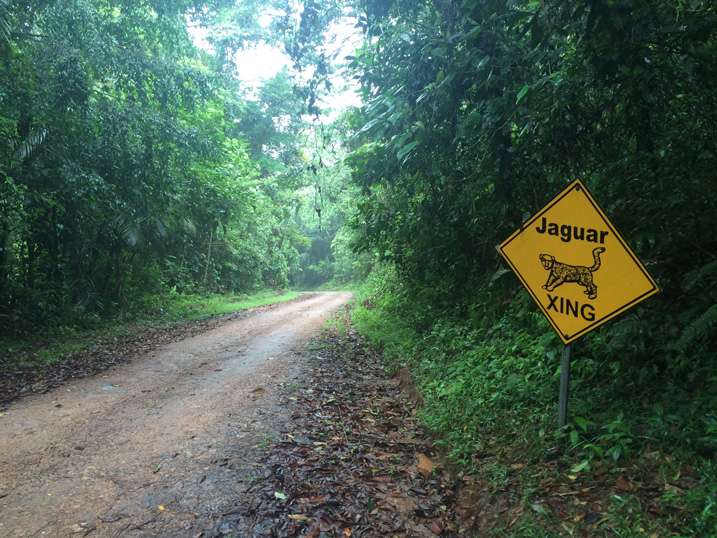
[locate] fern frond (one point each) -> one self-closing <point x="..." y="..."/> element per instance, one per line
<point x="627" y="326"/>
<point x="698" y="329"/>
<point x="699" y="275"/>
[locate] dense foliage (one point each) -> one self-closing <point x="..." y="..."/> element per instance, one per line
<point x="477" y="114"/>
<point x="483" y="111"/>
<point x="133" y="164"/>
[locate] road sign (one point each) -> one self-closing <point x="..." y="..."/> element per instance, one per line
<point x="575" y="264"/>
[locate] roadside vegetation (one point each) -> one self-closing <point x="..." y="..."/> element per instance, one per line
<point x="141" y="177"/>
<point x="51" y="346"/>
<point x="474" y="120"/>
<point x="637" y="457"/>
<point x="136" y="165"/>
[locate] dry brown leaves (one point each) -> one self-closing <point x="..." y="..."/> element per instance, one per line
<point x="355" y="463"/>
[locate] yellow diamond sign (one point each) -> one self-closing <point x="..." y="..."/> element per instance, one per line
<point x="575" y="264"/>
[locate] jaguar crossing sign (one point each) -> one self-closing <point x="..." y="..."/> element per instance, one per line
<point x="575" y="264"/>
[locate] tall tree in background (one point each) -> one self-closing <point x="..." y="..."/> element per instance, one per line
<point x="324" y="216"/>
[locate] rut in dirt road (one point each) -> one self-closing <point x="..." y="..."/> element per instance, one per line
<point x="148" y="445"/>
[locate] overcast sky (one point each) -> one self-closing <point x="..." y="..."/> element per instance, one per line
<point x="263" y="62"/>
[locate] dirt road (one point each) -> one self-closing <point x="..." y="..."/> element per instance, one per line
<point x="150" y="444"/>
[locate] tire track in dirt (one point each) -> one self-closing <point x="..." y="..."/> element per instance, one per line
<point x="148" y="441"/>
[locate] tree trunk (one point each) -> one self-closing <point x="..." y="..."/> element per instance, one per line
<point x="209" y="258"/>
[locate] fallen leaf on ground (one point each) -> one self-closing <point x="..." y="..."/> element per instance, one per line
<point x="425" y="465"/>
<point x="624" y="485"/>
<point x="674" y="489"/>
<point x="299" y="517"/>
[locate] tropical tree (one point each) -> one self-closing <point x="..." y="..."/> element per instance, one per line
<point x="125" y="173"/>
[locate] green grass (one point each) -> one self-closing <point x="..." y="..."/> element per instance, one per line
<point x="337" y="324"/>
<point x="183" y="308"/>
<point x="54" y="345"/>
<point x="266" y="442"/>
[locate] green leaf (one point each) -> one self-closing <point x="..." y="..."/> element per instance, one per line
<point x="407" y="148"/>
<point x="482" y="62"/>
<point x="583" y="423"/>
<point x="369" y="125"/>
<point x="522" y="93"/>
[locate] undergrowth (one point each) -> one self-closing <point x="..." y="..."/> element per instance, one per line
<point x="490" y="391"/>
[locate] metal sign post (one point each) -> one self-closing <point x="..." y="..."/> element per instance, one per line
<point x="564" y="386"/>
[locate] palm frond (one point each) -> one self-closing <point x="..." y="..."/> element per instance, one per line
<point x="129" y="231"/>
<point x="190" y="226"/>
<point x="25" y="148"/>
<point x="161" y="228"/>
<point x="4" y="17"/>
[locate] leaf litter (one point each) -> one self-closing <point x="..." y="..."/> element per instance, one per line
<point x="353" y="461"/>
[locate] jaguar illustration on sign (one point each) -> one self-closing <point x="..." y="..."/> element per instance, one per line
<point x="575" y="264"/>
<point x="562" y="272"/>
